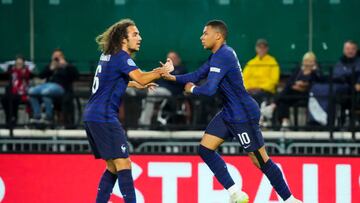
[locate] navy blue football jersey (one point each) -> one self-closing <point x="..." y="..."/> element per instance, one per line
<point x="110" y="82"/>
<point x="223" y="73"/>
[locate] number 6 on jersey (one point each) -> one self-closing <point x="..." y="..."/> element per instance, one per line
<point x="96" y="82"/>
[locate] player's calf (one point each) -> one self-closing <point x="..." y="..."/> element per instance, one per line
<point x="126" y="185"/>
<point x="125" y="180"/>
<point x="106" y="186"/>
<point x="273" y="173"/>
<point x="217" y="166"/>
<point x="275" y="176"/>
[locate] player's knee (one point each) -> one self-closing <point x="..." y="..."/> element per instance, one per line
<point x="256" y="163"/>
<point x="122" y="163"/>
<point x="204" y="151"/>
<point x="110" y="166"/>
<point x="257" y="159"/>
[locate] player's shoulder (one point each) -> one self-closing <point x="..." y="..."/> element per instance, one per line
<point x="225" y="50"/>
<point x="227" y="53"/>
<point x="123" y="58"/>
<point x="120" y="56"/>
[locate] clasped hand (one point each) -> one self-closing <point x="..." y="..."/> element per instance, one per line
<point x="165" y="72"/>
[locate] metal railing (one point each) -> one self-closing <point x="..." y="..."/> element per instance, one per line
<point x="47" y="146"/>
<point x="178" y="147"/>
<point x="347" y="149"/>
<point x="192" y="148"/>
<point x="168" y="147"/>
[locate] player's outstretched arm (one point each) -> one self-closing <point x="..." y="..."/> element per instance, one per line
<point x="210" y="87"/>
<point x="193" y="77"/>
<point x="143" y="78"/>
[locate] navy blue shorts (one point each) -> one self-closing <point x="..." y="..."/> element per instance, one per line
<point x="248" y="133"/>
<point x="107" y="140"/>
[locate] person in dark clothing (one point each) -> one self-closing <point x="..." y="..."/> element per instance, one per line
<point x="336" y="92"/>
<point x="345" y="74"/>
<point x="295" y="91"/>
<point x="59" y="75"/>
<point x="16" y="91"/>
<point x="357" y="74"/>
<point x="346" y="78"/>
<point x="347" y="68"/>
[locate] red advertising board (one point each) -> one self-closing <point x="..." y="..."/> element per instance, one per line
<point x="174" y="179"/>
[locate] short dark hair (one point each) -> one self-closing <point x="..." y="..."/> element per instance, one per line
<point x="109" y="41"/>
<point x="262" y="41"/>
<point x="351" y="42"/>
<point x="220" y="25"/>
<point x="20" y="56"/>
<point x="59" y="50"/>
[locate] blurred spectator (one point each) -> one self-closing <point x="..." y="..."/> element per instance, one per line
<point x="4" y="66"/>
<point x="349" y="64"/>
<point x="296" y="90"/>
<point x="16" y="91"/>
<point x="357" y="85"/>
<point x="345" y="68"/>
<point x="345" y="81"/>
<point x="165" y="88"/>
<point x="261" y="74"/>
<point x="357" y="91"/>
<point x="346" y="75"/>
<point x="59" y="75"/>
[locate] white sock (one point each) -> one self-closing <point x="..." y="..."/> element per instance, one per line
<point x="233" y="189"/>
<point x="290" y="199"/>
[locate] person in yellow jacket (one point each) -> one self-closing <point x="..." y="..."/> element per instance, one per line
<point x="261" y="74"/>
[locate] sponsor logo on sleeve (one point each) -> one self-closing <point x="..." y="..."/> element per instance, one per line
<point x="215" y="69"/>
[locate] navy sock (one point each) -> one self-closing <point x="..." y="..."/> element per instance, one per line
<point x="217" y="166"/>
<point x="126" y="185"/>
<point x="275" y="176"/>
<point x="106" y="186"/>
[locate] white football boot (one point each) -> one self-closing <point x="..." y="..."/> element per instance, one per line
<point x="239" y="197"/>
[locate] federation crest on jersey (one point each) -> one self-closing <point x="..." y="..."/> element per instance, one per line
<point x="123" y="148"/>
<point x="131" y="62"/>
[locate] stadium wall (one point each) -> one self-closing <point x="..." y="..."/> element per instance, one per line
<point x="177" y="24"/>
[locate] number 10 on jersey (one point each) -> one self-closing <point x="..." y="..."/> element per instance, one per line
<point x="244" y="138"/>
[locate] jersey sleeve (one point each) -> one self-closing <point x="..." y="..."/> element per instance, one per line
<point x="127" y="65"/>
<point x="195" y="76"/>
<point x="219" y="67"/>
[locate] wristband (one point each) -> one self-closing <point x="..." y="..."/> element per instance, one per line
<point x="192" y="89"/>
